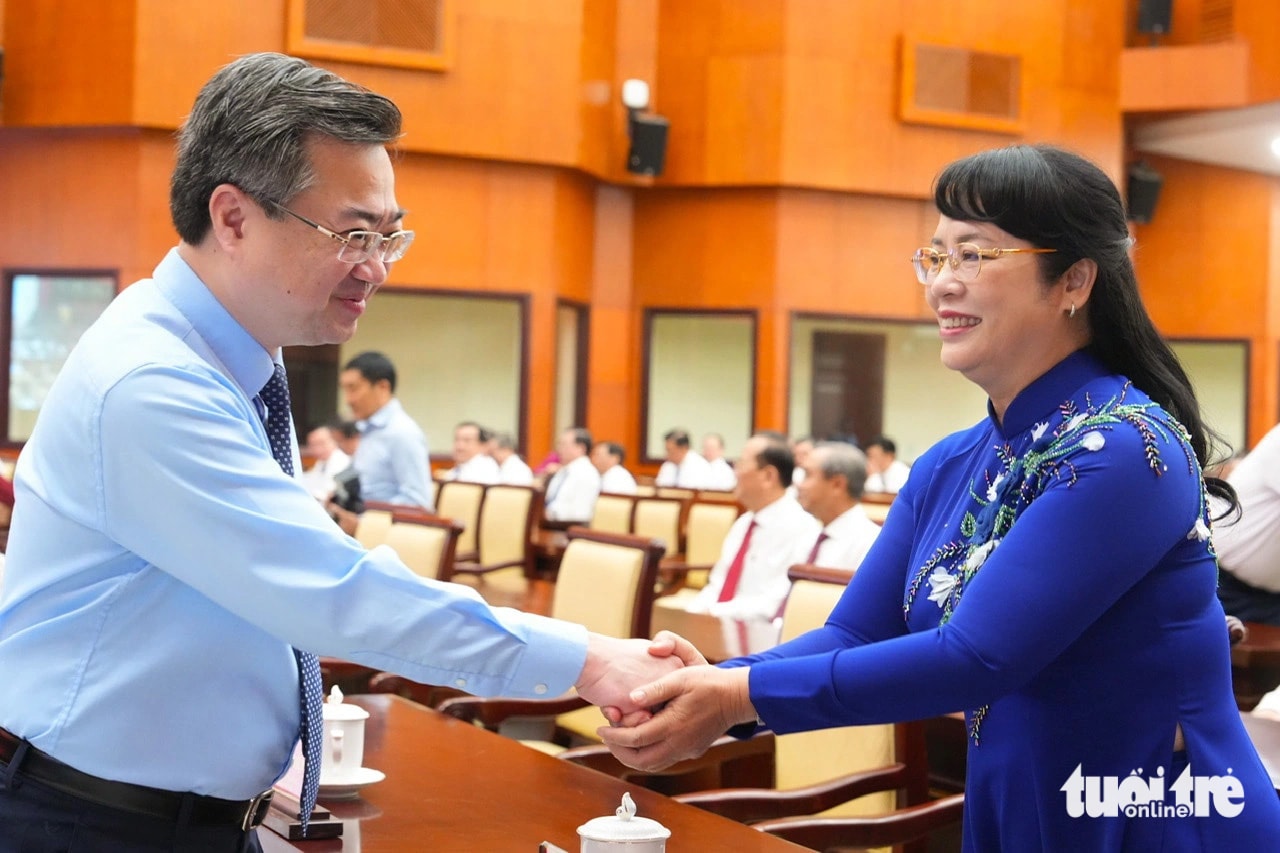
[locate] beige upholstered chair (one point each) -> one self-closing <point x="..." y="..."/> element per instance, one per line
<point x="612" y="513"/>
<point x="833" y="777"/>
<point x="606" y="583"/>
<point x="876" y="505"/>
<point x="660" y="518"/>
<point x="371" y="529"/>
<point x="504" y="557"/>
<point x="425" y="543"/>
<point x="461" y="502"/>
<point x="705" y="529"/>
<point x="673" y="492"/>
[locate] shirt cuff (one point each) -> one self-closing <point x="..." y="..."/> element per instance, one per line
<point x="553" y="660"/>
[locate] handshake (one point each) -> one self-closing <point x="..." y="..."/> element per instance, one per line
<point x="664" y="703"/>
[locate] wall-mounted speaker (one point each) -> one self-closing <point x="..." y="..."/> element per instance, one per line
<point x="648" y="151"/>
<point x="1155" y="16"/>
<point x="1143" y="191"/>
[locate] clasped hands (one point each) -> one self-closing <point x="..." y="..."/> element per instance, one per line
<point x="680" y="708"/>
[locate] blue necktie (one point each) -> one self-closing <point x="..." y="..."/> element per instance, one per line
<point x="275" y="396"/>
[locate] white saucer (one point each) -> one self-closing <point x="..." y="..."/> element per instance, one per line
<point x="348" y="788"/>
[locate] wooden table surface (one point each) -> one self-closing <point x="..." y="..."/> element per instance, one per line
<point x="455" y="788"/>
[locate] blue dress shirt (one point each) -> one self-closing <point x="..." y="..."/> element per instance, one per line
<point x="161" y="565"/>
<point x="392" y="459"/>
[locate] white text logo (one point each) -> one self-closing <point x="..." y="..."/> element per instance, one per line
<point x="1134" y="796"/>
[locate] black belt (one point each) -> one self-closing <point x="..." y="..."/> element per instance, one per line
<point x="140" y="799"/>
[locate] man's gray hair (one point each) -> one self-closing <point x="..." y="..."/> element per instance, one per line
<point x="249" y="127"/>
<point x="840" y="458"/>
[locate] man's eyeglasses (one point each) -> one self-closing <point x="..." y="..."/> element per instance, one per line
<point x="360" y="246"/>
<point x="965" y="260"/>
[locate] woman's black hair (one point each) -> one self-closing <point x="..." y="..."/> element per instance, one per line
<point x="1055" y="199"/>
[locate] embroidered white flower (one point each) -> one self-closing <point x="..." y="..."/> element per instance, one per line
<point x="1076" y="421"/>
<point x="979" y="555"/>
<point x="995" y="484"/>
<point x="1200" y="531"/>
<point x="1039" y="430"/>
<point x="1093" y="440"/>
<point x="940" y="583"/>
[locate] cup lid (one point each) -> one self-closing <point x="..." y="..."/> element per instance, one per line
<point x="336" y="709"/>
<point x="624" y="826"/>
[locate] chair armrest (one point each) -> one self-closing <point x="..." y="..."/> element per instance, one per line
<point x="747" y="805"/>
<point x="491" y="713"/>
<point x="744" y="763"/>
<point x="898" y="827"/>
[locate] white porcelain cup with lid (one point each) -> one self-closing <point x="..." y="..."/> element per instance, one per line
<point x="343" y="753"/>
<point x="623" y="832"/>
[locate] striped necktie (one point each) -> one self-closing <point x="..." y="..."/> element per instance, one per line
<point x="275" y="396"/>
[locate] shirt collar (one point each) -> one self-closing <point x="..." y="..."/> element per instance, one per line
<point x="1044" y="394"/>
<point x="382" y="417"/>
<point x="244" y="358"/>
<point x="774" y="511"/>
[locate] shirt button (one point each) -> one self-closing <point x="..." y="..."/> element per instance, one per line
<point x="460" y="682"/>
<point x="540" y="689"/>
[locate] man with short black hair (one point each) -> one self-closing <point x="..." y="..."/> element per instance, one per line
<point x="470" y="463"/>
<point x="608" y="457"/>
<point x="572" y="492"/>
<point x="392" y="458"/>
<point x="885" y="472"/>
<point x="512" y="470"/>
<point x="685" y="468"/>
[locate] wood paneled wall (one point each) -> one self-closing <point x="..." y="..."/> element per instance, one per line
<point x="791" y="183"/>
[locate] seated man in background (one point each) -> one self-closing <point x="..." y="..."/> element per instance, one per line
<point x="608" y="457"/>
<point x="720" y="476"/>
<point x="329" y="462"/>
<point x="750" y="578"/>
<point x="684" y="468"/>
<point x="572" y="491"/>
<point x="512" y="470"/>
<point x="470" y="463"/>
<point x="886" y="473"/>
<point x="830" y="491"/>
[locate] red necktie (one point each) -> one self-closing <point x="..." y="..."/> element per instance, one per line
<point x="813" y="555"/>
<point x="730" y="587"/>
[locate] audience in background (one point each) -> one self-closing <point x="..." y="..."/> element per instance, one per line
<point x="572" y="491"/>
<point x="832" y="486"/>
<point x="608" y="457"/>
<point x="512" y="470"/>
<point x="470" y="462"/>
<point x="391" y="459"/>
<point x="684" y="468"/>
<point x="749" y="580"/>
<point x="347" y="436"/>
<point x="720" y="476"/>
<point x="1248" y="545"/>
<point x="329" y="462"/>
<point x="886" y="473"/>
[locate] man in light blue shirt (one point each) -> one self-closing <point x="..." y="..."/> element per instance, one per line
<point x="391" y="458"/>
<point x="162" y="567"/>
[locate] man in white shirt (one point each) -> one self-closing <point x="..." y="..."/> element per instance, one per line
<point x="720" y="476"/>
<point x="750" y="578"/>
<point x="572" y="492"/>
<point x="1249" y="547"/>
<point x="329" y="461"/>
<point x="830" y="491"/>
<point x="885" y="472"/>
<point x="470" y="463"/>
<point x="608" y="457"/>
<point x="684" y="468"/>
<point x="512" y="470"/>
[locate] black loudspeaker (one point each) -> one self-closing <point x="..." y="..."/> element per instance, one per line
<point x="648" y="144"/>
<point x="1154" y="16"/>
<point x="1143" y="191"/>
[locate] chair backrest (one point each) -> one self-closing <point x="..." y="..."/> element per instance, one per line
<point x="660" y="518"/>
<point x="673" y="492"/>
<point x="606" y="582"/>
<point x="646" y="490"/>
<point x="705" y="530"/>
<point x="613" y="513"/>
<point x="717" y="496"/>
<point x="506" y="525"/>
<point x="806" y="758"/>
<point x="461" y="502"/>
<point x="425" y="543"/>
<point x="371" y="529"/>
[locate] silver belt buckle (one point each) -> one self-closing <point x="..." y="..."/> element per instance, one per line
<point x="256" y="811"/>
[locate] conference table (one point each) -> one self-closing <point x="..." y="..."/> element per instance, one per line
<point x="451" y="787"/>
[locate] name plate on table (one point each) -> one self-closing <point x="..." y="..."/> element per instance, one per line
<point x="286" y="805"/>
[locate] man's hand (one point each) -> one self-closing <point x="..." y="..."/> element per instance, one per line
<point x="616" y="667"/>
<point x="699" y="704"/>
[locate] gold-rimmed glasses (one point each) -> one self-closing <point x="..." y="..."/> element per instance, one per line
<point x="360" y="246"/>
<point x="965" y="260"/>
